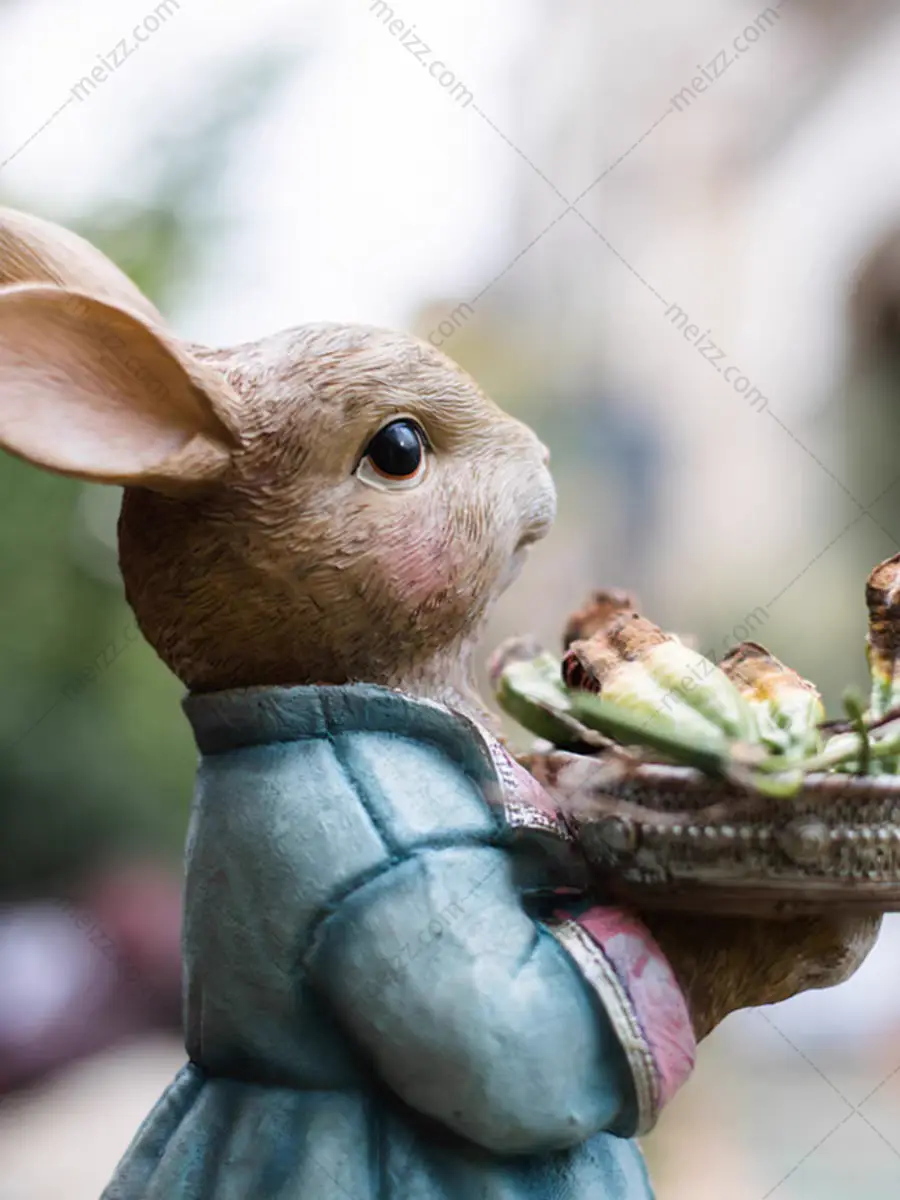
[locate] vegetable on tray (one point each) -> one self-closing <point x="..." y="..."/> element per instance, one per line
<point x="689" y="782"/>
<point x="749" y="719"/>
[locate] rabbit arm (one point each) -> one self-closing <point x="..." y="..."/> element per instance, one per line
<point x="492" y="1023"/>
<point x="354" y="825"/>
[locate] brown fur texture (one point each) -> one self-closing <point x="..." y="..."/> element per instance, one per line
<point x="727" y="963"/>
<point x="289" y="570"/>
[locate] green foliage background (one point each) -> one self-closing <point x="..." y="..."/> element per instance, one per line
<point x="96" y="758"/>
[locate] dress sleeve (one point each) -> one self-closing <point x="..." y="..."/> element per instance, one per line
<point x="637" y="988"/>
<point x="522" y="1035"/>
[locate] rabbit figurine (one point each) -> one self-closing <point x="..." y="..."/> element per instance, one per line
<point x="395" y="985"/>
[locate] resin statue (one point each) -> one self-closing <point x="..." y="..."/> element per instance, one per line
<point x="395" y="984"/>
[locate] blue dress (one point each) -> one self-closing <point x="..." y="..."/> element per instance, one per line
<point x="384" y="1000"/>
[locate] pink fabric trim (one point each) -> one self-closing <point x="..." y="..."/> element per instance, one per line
<point x="526" y="803"/>
<point x="658" y="1004"/>
<point x="525" y="787"/>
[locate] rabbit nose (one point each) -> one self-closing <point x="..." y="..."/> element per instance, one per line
<point x="545" y="454"/>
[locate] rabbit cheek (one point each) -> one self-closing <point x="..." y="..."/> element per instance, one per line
<point x="418" y="566"/>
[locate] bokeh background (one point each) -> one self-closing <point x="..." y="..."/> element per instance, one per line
<point x="558" y="192"/>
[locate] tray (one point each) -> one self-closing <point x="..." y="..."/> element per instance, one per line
<point x="667" y="837"/>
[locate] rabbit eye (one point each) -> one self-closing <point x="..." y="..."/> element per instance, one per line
<point x="395" y="457"/>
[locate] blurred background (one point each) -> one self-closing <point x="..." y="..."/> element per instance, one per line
<point x="668" y="236"/>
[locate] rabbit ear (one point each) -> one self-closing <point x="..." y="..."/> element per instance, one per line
<point x="93" y="390"/>
<point x="37" y="251"/>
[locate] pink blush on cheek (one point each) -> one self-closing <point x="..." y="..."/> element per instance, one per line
<point x="418" y="564"/>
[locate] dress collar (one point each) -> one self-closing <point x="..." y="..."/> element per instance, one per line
<point x="244" y="717"/>
<point x="255" y="716"/>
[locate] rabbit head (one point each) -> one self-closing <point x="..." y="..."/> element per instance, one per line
<point x="330" y="504"/>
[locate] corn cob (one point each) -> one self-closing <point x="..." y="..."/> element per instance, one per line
<point x="602" y="608"/>
<point x="788" y="708"/>
<point x="633" y="724"/>
<point x="594" y="666"/>
<point x="704" y="747"/>
<point x="684" y="680"/>
<point x="883" y="642"/>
